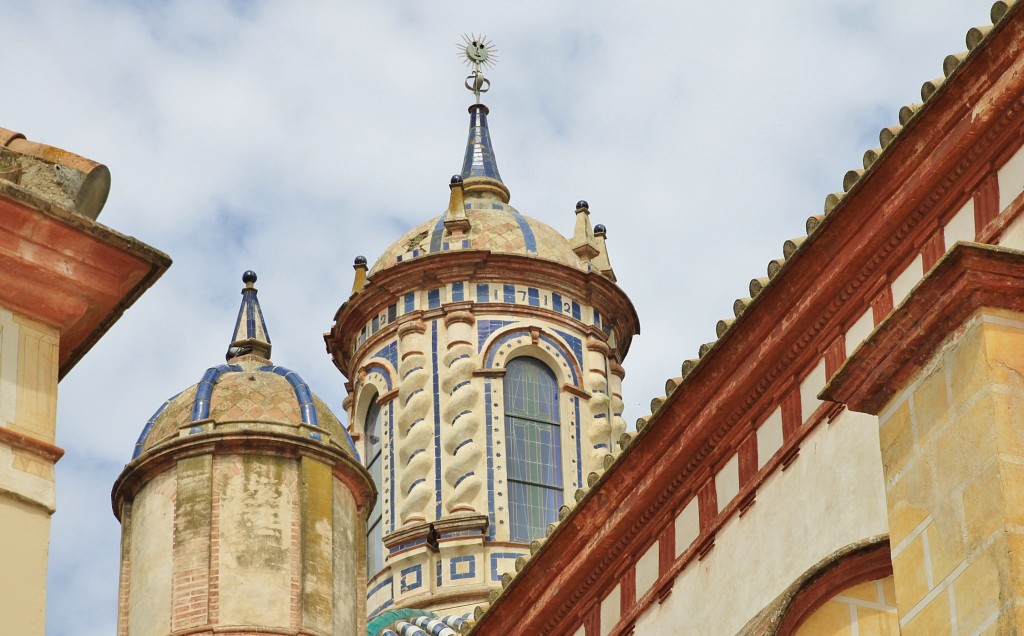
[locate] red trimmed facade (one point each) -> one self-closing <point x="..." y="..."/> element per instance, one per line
<point x="861" y="259"/>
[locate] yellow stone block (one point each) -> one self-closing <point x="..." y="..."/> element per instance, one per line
<point x="961" y="447"/>
<point x="984" y="507"/>
<point x="977" y="591"/>
<point x="1015" y="555"/>
<point x="896" y="437"/>
<point x="931" y="403"/>
<point x="945" y="541"/>
<point x="968" y="366"/>
<point x="866" y="591"/>
<point x="831" y="619"/>
<point x="874" y="622"/>
<point x="1005" y="351"/>
<point x="1012" y="476"/>
<point x="1008" y="423"/>
<point x="933" y="620"/>
<point x="909" y="501"/>
<point x="909" y="571"/>
<point x="889" y="590"/>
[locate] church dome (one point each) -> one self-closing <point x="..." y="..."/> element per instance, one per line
<point x="479" y="216"/>
<point x="493" y="226"/>
<point x="247" y="392"/>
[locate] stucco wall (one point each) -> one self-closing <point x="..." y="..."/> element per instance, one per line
<point x="829" y="497"/>
<point x="149" y="609"/>
<point x="349" y="539"/>
<point x="256" y="527"/>
<point x="24" y="541"/>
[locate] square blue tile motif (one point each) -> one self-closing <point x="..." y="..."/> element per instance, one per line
<point x="411" y="578"/>
<point x="534" y="296"/>
<point x="463" y="567"/>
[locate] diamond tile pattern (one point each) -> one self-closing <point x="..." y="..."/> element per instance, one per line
<point x="497" y="230"/>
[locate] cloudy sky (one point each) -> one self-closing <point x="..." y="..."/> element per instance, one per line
<point x="290" y="137"/>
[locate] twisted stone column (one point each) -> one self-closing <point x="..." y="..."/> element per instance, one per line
<point x="461" y="413"/>
<point x="599" y="403"/>
<point x="415" y="435"/>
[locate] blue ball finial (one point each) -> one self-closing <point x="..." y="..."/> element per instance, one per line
<point x="600" y="229"/>
<point x="456" y="178"/>
<point x="360" y="260"/>
<point x="249" y="277"/>
<point x="582" y="205"/>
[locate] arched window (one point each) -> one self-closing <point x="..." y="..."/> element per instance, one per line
<point x="533" y="447"/>
<point x="374" y="527"/>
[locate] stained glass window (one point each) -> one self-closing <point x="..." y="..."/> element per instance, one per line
<point x="374" y="527"/>
<point x="533" y="447"/>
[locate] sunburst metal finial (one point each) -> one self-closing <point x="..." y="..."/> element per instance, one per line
<point x="479" y="53"/>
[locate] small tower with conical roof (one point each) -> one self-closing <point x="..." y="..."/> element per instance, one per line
<point x="482" y="354"/>
<point x="243" y="509"/>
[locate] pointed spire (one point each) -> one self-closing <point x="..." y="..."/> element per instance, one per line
<point x="601" y="261"/>
<point x="250" y="334"/>
<point x="480" y="168"/>
<point x="456" y="223"/>
<point x="583" y="242"/>
<point x="360" y="279"/>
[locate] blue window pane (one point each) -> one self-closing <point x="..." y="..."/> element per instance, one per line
<point x="374" y="528"/>
<point x="533" y="440"/>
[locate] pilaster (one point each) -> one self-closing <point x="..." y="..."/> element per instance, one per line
<point x="945" y="375"/>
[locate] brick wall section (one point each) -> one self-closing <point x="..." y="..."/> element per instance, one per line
<point x="192" y="520"/>
<point x="220" y="465"/>
<point x="126" y="570"/>
<point x="291" y="484"/>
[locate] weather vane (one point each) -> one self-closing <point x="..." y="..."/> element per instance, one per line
<point x="479" y="53"/>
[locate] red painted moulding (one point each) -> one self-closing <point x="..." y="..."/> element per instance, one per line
<point x="435" y="270"/>
<point x="71" y="273"/>
<point x="870" y="563"/>
<point x="881" y="224"/>
<point x="967" y="278"/>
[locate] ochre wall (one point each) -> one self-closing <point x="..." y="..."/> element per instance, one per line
<point x="24" y="543"/>
<point x="28" y="404"/>
<point x="953" y="452"/>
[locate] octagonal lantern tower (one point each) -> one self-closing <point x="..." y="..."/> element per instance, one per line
<point x="483" y="354"/>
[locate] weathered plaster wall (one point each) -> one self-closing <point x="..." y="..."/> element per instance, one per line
<point x="151" y="556"/>
<point x="347" y="561"/>
<point x="256" y="527"/>
<point x="829" y="497"/>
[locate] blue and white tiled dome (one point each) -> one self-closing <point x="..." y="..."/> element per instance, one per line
<point x="247" y="392"/>
<point x="494" y="225"/>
